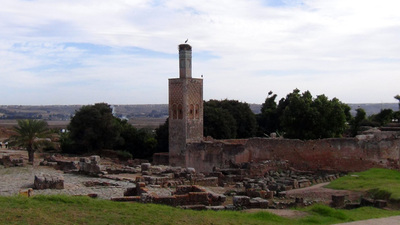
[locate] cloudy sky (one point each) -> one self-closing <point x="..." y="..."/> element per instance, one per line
<point x="124" y="51"/>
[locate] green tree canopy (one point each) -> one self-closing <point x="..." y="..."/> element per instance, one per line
<point x="27" y="133"/>
<point x="94" y="128"/>
<point x="357" y="121"/>
<point x="397" y="97"/>
<point x="141" y="143"/>
<point x="268" y="119"/>
<point x="162" y="138"/>
<point x="384" y="117"/>
<point x="229" y="119"/>
<point x="303" y="117"/>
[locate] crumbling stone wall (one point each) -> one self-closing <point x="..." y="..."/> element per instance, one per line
<point x="334" y="154"/>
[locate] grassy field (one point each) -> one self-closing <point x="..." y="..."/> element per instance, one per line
<point x="83" y="210"/>
<point x="382" y="183"/>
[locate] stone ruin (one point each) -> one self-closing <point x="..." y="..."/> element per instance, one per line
<point x="8" y="161"/>
<point x="340" y="202"/>
<point x="249" y="186"/>
<point x="241" y="186"/>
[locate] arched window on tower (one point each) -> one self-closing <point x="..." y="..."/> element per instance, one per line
<point x="191" y="111"/>
<point x="197" y="111"/>
<point x="180" y="112"/>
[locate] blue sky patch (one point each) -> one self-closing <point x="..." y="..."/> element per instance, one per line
<point x="281" y="3"/>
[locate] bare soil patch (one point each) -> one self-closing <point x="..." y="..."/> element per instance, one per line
<point x="321" y="194"/>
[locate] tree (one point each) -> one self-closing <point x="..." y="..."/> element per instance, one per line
<point x="357" y="121"/>
<point x="94" y="128"/>
<point x="162" y="138"/>
<point x="141" y="143"/>
<point x="303" y="117"/>
<point x="27" y="133"/>
<point x="397" y="97"/>
<point x="268" y="119"/>
<point x="384" y="117"/>
<point x="229" y="119"/>
<point x="218" y="122"/>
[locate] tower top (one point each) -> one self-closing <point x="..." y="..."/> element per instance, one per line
<point x="186" y="47"/>
<point x="185" y="61"/>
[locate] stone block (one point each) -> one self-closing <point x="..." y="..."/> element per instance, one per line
<point x="259" y="203"/>
<point x="84" y="160"/>
<point x="367" y="202"/>
<point x="94" y="159"/>
<point x="47" y="181"/>
<point x="182" y="199"/>
<point x="127" y="199"/>
<point x="131" y="192"/>
<point x="208" y="182"/>
<point x="252" y="193"/>
<point x="165" y="200"/>
<point x="269" y="195"/>
<point x="194" y="207"/>
<point x="145" y="166"/>
<point x="380" y="204"/>
<point x="338" y="201"/>
<point x="352" y="206"/>
<point x="191" y="170"/>
<point x="183" y="189"/>
<point x="241" y="201"/>
<point x="198" y="198"/>
<point x="156" y="170"/>
<point x="254" y="204"/>
<point x="216" y="208"/>
<point x="281" y="194"/>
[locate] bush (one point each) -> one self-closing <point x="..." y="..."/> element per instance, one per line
<point x="124" y="155"/>
<point x="377" y="193"/>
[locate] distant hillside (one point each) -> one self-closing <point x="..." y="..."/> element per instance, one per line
<point x="65" y="112"/>
<point x="373" y="108"/>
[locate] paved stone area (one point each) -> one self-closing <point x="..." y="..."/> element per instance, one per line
<point x="14" y="179"/>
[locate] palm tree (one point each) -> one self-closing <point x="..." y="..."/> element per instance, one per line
<point x="27" y="133"/>
<point x="398" y="98"/>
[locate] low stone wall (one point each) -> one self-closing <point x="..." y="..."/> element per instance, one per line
<point x="335" y="154"/>
<point x="183" y="196"/>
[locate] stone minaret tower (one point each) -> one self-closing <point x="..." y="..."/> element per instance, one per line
<point x="185" y="108"/>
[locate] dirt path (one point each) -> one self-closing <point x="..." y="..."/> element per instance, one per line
<point x="314" y="193"/>
<point x="394" y="220"/>
<point x="321" y="194"/>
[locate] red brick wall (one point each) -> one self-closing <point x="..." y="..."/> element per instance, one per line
<point x="340" y="154"/>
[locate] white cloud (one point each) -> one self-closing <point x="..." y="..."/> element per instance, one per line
<point x="345" y="49"/>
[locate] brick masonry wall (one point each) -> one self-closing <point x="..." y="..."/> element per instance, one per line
<point x="337" y="154"/>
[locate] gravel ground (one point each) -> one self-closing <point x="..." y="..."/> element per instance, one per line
<point x="14" y="179"/>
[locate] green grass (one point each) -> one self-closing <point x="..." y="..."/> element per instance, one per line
<point x="83" y="210"/>
<point x="381" y="183"/>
